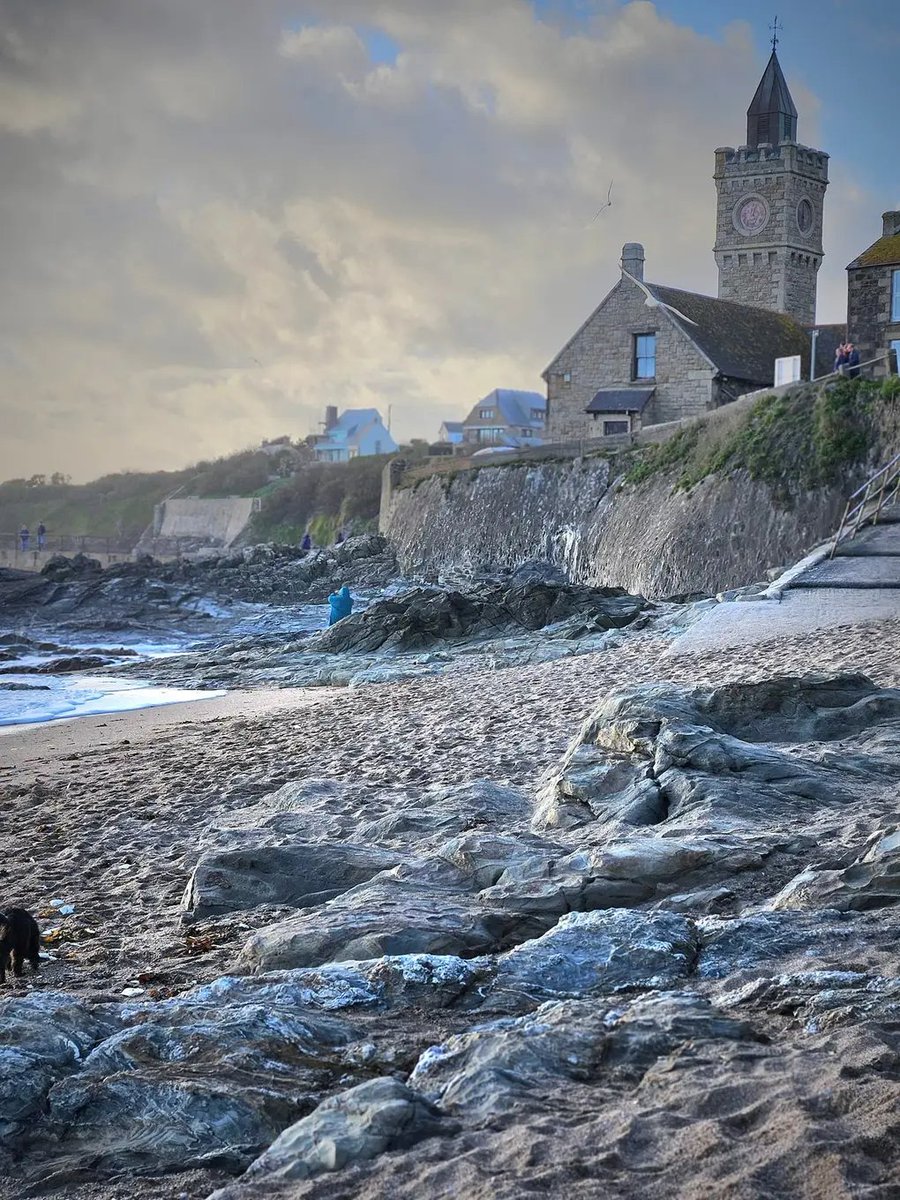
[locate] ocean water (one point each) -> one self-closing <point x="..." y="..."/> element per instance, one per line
<point x="59" y="697"/>
<point x="28" y="697"/>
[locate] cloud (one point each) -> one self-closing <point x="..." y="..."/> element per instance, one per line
<point x="219" y="217"/>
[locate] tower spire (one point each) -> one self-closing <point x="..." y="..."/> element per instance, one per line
<point x="774" y="28"/>
<point x="772" y="116"/>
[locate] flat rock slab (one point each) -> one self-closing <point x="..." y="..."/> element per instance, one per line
<point x="303" y="874"/>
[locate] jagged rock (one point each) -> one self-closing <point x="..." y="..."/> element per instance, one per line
<point x="599" y="952"/>
<point x="192" y="1083"/>
<point x="59" y="567"/>
<point x="511" y="1064"/>
<point x="659" y="754"/>
<point x="392" y="982"/>
<point x="369" y="1119"/>
<point x="43" y="1037"/>
<point x="423" y="616"/>
<point x="873" y="881"/>
<point x="767" y="942"/>
<point x="304" y="875"/>
<point x="389" y="915"/>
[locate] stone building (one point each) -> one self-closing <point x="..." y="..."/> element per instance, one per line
<point x="873" y="295"/>
<point x="771" y="195"/>
<point x="506" y="417"/>
<point x="650" y="353"/>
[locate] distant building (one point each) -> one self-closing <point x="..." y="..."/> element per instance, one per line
<point x="506" y="417"/>
<point x="873" y="294"/>
<point x="452" y="432"/>
<point x="357" y="432"/>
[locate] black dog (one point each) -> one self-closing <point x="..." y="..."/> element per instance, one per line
<point x="20" y="938"/>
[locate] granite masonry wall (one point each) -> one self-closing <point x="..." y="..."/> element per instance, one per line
<point x="603" y="349"/>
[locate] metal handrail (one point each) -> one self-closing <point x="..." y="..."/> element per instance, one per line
<point x="875" y="497"/>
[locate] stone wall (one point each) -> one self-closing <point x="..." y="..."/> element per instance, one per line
<point x="726" y="532"/>
<point x="869" y="323"/>
<point x="216" y="521"/>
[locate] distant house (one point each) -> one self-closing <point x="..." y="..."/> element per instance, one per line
<point x="506" y="417"/>
<point x="452" y="432"/>
<point x="649" y="354"/>
<point x="357" y="432"/>
<point x="873" y="294"/>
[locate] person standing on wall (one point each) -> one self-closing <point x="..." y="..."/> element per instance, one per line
<point x="24" y="537"/>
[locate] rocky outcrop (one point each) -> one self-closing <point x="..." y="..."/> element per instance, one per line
<point x="352" y="1127"/>
<point x="422" y="617"/>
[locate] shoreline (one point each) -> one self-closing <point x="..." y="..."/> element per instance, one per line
<point x="34" y="741"/>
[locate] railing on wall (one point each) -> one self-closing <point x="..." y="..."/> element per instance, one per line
<point x="866" y="504"/>
<point x="68" y="544"/>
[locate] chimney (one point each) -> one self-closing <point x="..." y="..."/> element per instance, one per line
<point x="891" y="224"/>
<point x="633" y="259"/>
<point x="330" y="417"/>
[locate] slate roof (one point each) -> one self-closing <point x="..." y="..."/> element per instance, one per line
<point x="513" y="408"/>
<point x="452" y="426"/>
<point x="771" y="101"/>
<point x="741" y="342"/>
<point x="883" y="253"/>
<point x="351" y="421"/>
<point x="623" y="400"/>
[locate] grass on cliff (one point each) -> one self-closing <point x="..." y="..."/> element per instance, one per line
<point x="806" y="438"/>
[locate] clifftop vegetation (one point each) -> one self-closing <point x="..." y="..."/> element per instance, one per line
<point x="805" y="438"/>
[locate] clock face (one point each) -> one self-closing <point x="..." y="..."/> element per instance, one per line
<point x="752" y="214"/>
<point x="805" y="216"/>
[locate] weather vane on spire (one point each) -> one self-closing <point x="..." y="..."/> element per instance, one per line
<point x="774" y="28"/>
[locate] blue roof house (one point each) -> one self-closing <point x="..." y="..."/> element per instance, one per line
<point x="506" y="417"/>
<point x="452" y="432"/>
<point x="355" y="434"/>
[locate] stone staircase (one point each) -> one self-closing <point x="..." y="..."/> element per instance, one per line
<point x="870" y="559"/>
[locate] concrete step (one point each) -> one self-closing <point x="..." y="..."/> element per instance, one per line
<point x="849" y="571"/>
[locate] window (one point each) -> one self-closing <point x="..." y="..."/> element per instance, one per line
<point x="567" y="376"/>
<point x="489" y="435"/>
<point x="611" y="427"/>
<point x="895" y="295"/>
<point x="485" y="414"/>
<point x="895" y="346"/>
<point x="644" y="364"/>
<point x="537" y="414"/>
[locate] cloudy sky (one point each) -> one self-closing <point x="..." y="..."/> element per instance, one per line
<point x="218" y="216"/>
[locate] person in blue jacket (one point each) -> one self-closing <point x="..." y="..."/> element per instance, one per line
<point x="341" y="605"/>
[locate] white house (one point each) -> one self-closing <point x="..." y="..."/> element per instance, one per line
<point x="355" y="434"/>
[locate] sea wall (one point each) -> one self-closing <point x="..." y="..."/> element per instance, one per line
<point x="727" y="531"/>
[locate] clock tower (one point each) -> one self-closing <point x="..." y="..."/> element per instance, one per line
<point x="771" y="193"/>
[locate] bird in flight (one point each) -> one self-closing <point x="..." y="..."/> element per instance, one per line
<point x="652" y="302"/>
<point x="602" y="207"/>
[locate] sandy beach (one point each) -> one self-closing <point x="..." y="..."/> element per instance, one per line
<point x="110" y="814"/>
<point x="118" y="805"/>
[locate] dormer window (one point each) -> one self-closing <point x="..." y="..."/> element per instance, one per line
<point x="537" y="414"/>
<point x="485" y="414"/>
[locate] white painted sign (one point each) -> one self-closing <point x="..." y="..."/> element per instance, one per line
<point x="787" y="370"/>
